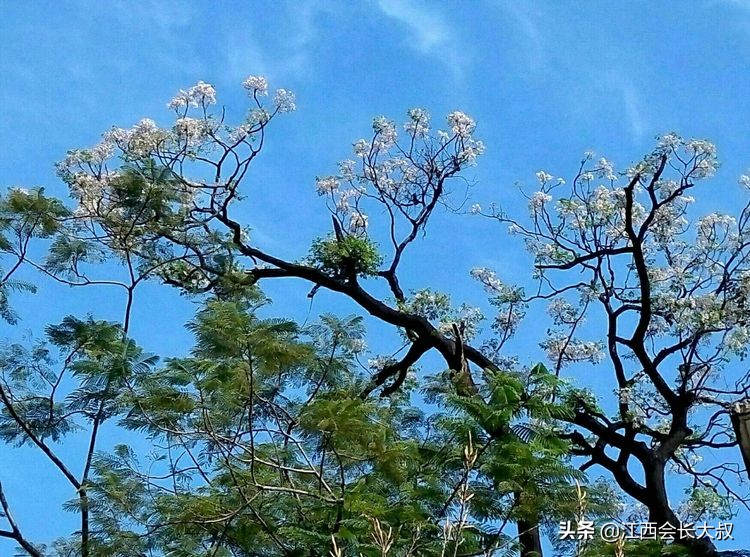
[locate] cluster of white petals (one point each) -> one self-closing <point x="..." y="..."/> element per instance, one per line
<point x="200" y="94"/>
<point x="418" y="124"/>
<point x="436" y="307"/>
<point x="538" y="200"/>
<point x="385" y="133"/>
<point x="543" y="177"/>
<point x="563" y="350"/>
<point x="606" y="170"/>
<point x="256" y="85"/>
<point x="562" y="312"/>
<point x="490" y="280"/>
<point x="358" y="222"/>
<point x="196" y="132"/>
<point x="399" y="172"/>
<point x="461" y="124"/>
<point x="327" y="185"/>
<point x="284" y="101"/>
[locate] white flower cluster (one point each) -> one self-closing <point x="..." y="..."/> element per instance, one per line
<point x="490" y="281"/>
<point x="256" y="85"/>
<point x="88" y="171"/>
<point x="436" y="307"/>
<point x="508" y="300"/>
<point x="403" y="176"/>
<point x="200" y="94"/>
<point x="461" y="124"/>
<point x="418" y="124"/>
<point x="358" y="345"/>
<point x="559" y="348"/>
<point x="714" y="229"/>
<point x="471" y="150"/>
<point x="606" y="170"/>
<point x="284" y="101"/>
<point x="327" y="185"/>
<point x="701" y="153"/>
<point x="543" y="177"/>
<point x="385" y="133"/>
<point x="562" y="312"/>
<point x="538" y="200"/>
<point x="347" y="200"/>
<point x="378" y="363"/>
<point x="191" y="130"/>
<point x="358" y="222"/>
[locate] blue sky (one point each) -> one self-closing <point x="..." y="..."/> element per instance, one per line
<point x="545" y="81"/>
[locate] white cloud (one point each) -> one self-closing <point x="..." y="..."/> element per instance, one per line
<point x="286" y="54"/>
<point x="533" y="38"/>
<point x="429" y="33"/>
<point x="633" y="110"/>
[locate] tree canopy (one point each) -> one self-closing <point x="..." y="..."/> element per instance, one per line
<point x="271" y="437"/>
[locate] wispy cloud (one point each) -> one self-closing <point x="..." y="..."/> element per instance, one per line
<point x="429" y="32"/>
<point x="628" y="103"/>
<point x="531" y="35"/>
<point x="633" y="110"/>
<point x="290" y="54"/>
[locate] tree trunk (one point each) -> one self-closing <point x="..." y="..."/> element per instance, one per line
<point x="529" y="539"/>
<point x="660" y="512"/>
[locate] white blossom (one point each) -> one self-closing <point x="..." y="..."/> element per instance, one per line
<point x="489" y="279"/>
<point x="145" y="137"/>
<point x="284" y="101"/>
<point x="706" y="167"/>
<point x="358" y="345"/>
<point x="713" y="229"/>
<point x="117" y="136"/>
<point x="418" y="123"/>
<point x="669" y="142"/>
<point x="562" y="311"/>
<point x="700" y="147"/>
<point x="327" y="185"/>
<point x="606" y="169"/>
<point x="543" y="177"/>
<point x="560" y="348"/>
<point x="199" y="94"/>
<point x="472" y="149"/>
<point x="361" y="148"/>
<point x="358" y="222"/>
<point x="385" y="132"/>
<point x="378" y="363"/>
<point x="203" y="93"/>
<point x="191" y="130"/>
<point x="346" y="169"/>
<point x="461" y="124"/>
<point x="256" y="85"/>
<point x="625" y="395"/>
<point x="538" y="200"/>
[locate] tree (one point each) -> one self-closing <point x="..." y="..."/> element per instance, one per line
<point x="164" y="202"/>
<point x="670" y="294"/>
<point x="263" y="444"/>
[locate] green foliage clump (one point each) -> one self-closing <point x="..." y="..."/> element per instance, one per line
<point x="351" y="255"/>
